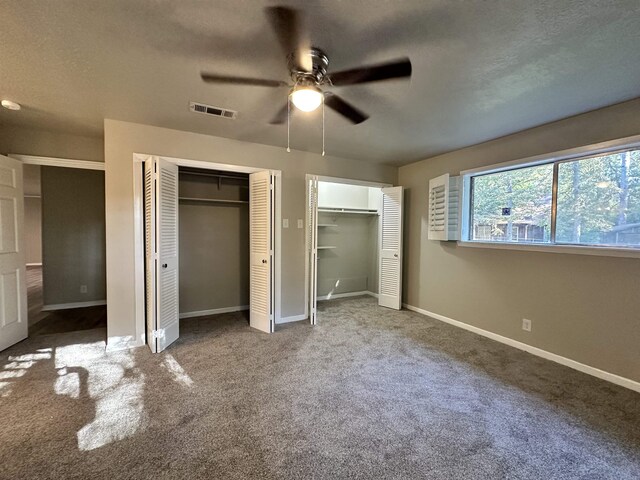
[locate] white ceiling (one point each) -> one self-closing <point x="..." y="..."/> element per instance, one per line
<point x="481" y="68"/>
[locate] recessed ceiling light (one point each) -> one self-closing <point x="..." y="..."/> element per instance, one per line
<point x="8" y="104"/>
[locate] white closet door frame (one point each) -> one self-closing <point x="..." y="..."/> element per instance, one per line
<point x="390" y="258"/>
<point x="138" y="203"/>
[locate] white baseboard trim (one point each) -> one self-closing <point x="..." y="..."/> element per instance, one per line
<point x="567" y="362"/>
<point x="123" y="343"/>
<point x="65" y="306"/>
<point x="33" y="264"/>
<point x="293" y="318"/>
<point x="345" y="295"/>
<point x="213" y="311"/>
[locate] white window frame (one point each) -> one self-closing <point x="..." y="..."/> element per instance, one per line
<point x="580" y="153"/>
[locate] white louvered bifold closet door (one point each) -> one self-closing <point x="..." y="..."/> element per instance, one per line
<point x="168" y="325"/>
<point x="260" y="246"/>
<point x="312" y="246"/>
<point x="150" y="249"/>
<point x="391" y="249"/>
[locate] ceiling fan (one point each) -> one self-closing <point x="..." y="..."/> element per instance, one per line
<point x="308" y="69"/>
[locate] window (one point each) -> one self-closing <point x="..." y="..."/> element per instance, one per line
<point x="513" y="206"/>
<point x="586" y="201"/>
<point x="599" y="200"/>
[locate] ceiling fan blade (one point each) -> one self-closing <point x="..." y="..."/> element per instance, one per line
<point x="280" y="117"/>
<point x="374" y="73"/>
<point x="343" y="108"/>
<point x="258" y="82"/>
<point x="288" y="25"/>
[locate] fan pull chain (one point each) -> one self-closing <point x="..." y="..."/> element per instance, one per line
<point x="323" y="125"/>
<point x="288" y="122"/>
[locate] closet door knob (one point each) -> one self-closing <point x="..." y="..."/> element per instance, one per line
<point x="264" y="261"/>
<point x="164" y="265"/>
<point x="395" y="255"/>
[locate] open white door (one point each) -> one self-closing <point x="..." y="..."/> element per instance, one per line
<point x="391" y="249"/>
<point x="312" y="246"/>
<point x="261" y="241"/>
<point x="161" y="253"/>
<point x="13" y="286"/>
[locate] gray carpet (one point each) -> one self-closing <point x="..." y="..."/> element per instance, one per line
<point x="369" y="393"/>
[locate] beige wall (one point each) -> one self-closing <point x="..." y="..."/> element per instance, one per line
<point x="348" y="267"/>
<point x="214" y="244"/>
<point x="123" y="139"/>
<point x="73" y="235"/>
<point x="214" y="256"/>
<point x="353" y="265"/>
<point x="33" y="229"/>
<point x="44" y="143"/>
<point x="586" y="308"/>
<point x="32" y="213"/>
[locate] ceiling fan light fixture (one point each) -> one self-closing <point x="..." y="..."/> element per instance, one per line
<point x="306" y="98"/>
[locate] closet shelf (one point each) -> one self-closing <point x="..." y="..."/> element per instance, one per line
<point x="326" y="247"/>
<point x="211" y="200"/>
<point x="347" y="210"/>
<point x="215" y="175"/>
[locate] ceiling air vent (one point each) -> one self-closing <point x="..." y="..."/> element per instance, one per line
<point x="211" y="110"/>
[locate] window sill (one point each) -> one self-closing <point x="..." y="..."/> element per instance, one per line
<point x="571" y="249"/>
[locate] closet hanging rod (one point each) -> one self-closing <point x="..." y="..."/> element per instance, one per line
<point x="216" y="175"/>
<point x="347" y="210"/>
<point x="211" y="200"/>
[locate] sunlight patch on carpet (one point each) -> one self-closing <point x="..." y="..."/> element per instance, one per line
<point x="112" y="380"/>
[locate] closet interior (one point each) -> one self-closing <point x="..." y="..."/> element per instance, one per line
<point x="347" y="240"/>
<point x="213" y="212"/>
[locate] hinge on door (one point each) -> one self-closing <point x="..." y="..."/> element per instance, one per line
<point x="158" y="333"/>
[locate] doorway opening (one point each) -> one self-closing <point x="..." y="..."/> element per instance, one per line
<point x="213" y="213"/>
<point x="354" y="241"/>
<point x="207" y="243"/>
<point x="64" y="239"/>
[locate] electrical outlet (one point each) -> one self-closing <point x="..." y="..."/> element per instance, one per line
<point x="526" y="324"/>
<point x="300" y="224"/>
<point x="285" y="223"/>
<point x="83" y="289"/>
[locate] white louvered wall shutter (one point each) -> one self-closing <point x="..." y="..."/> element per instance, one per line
<point x="443" y="221"/>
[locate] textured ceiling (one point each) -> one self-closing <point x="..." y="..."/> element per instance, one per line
<point x="481" y="68"/>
